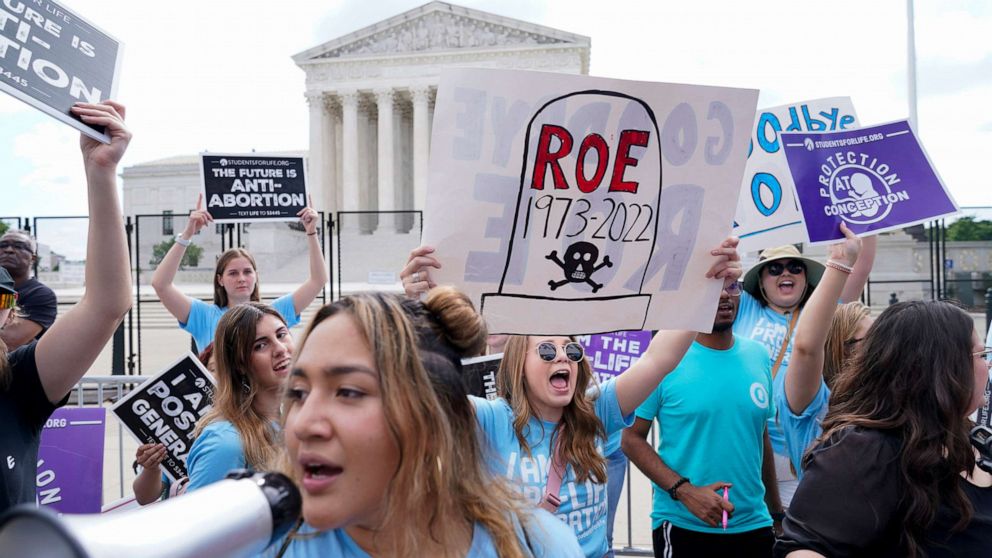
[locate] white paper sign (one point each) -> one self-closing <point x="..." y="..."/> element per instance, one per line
<point x="567" y="204"/>
<point x="767" y="211"/>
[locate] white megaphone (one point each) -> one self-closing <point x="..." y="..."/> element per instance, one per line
<point x="239" y="516"/>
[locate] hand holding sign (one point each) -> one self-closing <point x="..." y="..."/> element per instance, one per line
<point x="845" y="252"/>
<point x="728" y="263"/>
<point x="198" y="218"/>
<point x="309" y="218"/>
<point x="109" y="115"/>
<point x="416" y="276"/>
<point x="150" y="456"/>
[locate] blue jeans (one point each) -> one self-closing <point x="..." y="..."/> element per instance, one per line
<point x="616" y="471"/>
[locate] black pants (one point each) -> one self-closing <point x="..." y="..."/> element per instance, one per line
<point x="674" y="542"/>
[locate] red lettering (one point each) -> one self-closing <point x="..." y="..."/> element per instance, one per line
<point x="545" y="158"/>
<point x="594" y="141"/>
<point x="628" y="138"/>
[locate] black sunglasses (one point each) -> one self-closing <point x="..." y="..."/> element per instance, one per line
<point x="776" y="268"/>
<point x="548" y="351"/>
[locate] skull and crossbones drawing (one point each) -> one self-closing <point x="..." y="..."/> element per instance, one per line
<point x="579" y="265"/>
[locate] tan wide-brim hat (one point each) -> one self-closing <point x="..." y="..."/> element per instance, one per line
<point x="814" y="269"/>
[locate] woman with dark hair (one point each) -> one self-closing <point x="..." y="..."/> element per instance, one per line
<point x="894" y="473"/>
<point x="235" y="280"/>
<point x="382" y="440"/>
<point x="35" y="378"/>
<point x="252" y="356"/>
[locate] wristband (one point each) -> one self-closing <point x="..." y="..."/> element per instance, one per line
<point x="182" y="241"/>
<point x="314" y="233"/>
<point x="673" y="491"/>
<point x="839" y="266"/>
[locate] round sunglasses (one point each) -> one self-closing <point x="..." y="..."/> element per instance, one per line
<point x="548" y="351"/>
<point x="776" y="268"/>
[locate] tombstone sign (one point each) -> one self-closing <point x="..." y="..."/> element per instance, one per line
<point x="569" y="205"/>
<point x="611" y="354"/>
<point x="253" y="187"/>
<point x="767" y="211"/>
<point x="874" y="179"/>
<point x="165" y="409"/>
<point x="51" y="58"/>
<point x="480" y="375"/>
<point x="70" y="460"/>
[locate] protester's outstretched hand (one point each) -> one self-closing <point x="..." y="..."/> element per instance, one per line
<point x="150" y="456"/>
<point x="110" y="115"/>
<point x="198" y="218"/>
<point x="728" y="263"/>
<point x="705" y="503"/>
<point x="416" y="276"/>
<point x="309" y="218"/>
<point x="847" y="250"/>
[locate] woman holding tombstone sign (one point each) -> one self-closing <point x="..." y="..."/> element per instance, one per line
<point x="36" y="378"/>
<point x="235" y="280"/>
<point x="544" y="413"/>
<point x="252" y="353"/>
<point x="382" y="440"/>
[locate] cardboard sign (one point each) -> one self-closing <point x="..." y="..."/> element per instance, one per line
<point x="252" y="187"/>
<point x="611" y="354"/>
<point x="566" y="204"/>
<point x="51" y="58"/>
<point x="165" y="409"/>
<point x="70" y="460"/>
<point x="480" y="375"/>
<point x="767" y="211"/>
<point x="874" y="179"/>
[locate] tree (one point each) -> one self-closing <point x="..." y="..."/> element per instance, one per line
<point x="190" y="259"/>
<point x="3" y="228"/>
<point x="967" y="228"/>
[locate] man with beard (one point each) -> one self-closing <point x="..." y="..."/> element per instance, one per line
<point x="714" y="455"/>
<point x="36" y="303"/>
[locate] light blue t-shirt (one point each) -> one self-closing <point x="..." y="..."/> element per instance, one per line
<point x="547" y="537"/>
<point x="583" y="505"/>
<point x="712" y="411"/>
<point x="800" y="431"/>
<point x="203" y="318"/>
<point x="215" y="452"/>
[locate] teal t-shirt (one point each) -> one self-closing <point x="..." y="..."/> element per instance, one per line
<point x="583" y="505"/>
<point x="712" y="411"/>
<point x="203" y="318"/>
<point x="546" y="536"/>
<point x="215" y="452"/>
<point x="800" y="431"/>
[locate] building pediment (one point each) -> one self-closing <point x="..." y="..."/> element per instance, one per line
<point x="439" y="27"/>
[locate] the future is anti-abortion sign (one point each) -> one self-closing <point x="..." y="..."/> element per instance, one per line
<point x="165" y="409"/>
<point x="52" y="58"/>
<point x="767" y="211"/>
<point x="253" y="187"/>
<point x="874" y="179"/>
<point x="566" y="204"/>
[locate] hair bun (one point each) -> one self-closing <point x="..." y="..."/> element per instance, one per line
<point x="462" y="327"/>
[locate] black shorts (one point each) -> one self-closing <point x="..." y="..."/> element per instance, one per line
<point x="674" y="542"/>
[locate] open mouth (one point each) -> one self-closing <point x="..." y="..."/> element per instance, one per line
<point x="282" y="368"/>
<point x="559" y="380"/>
<point x="318" y="473"/>
<point x="725" y="307"/>
<point x="787" y="286"/>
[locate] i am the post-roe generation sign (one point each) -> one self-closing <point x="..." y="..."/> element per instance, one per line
<point x="874" y="179"/>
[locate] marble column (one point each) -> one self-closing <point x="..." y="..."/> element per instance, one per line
<point x="421" y="139"/>
<point x="349" y="150"/>
<point x="384" y="140"/>
<point x="318" y="148"/>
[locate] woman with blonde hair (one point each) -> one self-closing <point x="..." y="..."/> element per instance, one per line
<point x="382" y="440"/>
<point x="235" y="280"/>
<point x="252" y="355"/>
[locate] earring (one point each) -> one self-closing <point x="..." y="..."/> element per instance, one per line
<point x="244" y="385"/>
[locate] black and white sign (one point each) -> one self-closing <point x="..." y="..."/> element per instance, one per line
<point x="253" y="187"/>
<point x="165" y="409"/>
<point x="480" y="375"/>
<point x="51" y="58"/>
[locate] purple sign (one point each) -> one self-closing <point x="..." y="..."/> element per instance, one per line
<point x="874" y="179"/>
<point x="70" y="460"/>
<point x="613" y="353"/>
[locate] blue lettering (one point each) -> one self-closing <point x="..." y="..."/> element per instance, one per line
<point x="768" y="119"/>
<point x="772" y="185"/>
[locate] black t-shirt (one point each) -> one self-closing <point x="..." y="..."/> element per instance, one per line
<point x="37" y="303"/>
<point x="848" y="504"/>
<point x="24" y="408"/>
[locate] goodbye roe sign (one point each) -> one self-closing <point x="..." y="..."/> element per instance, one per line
<point x="51" y="58"/>
<point x="253" y="187"/>
<point x="571" y="205"/>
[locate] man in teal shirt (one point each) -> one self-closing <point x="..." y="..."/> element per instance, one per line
<point x="712" y="412"/>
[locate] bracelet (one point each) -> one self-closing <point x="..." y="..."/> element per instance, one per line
<point x="182" y="241"/>
<point x="839" y="266"/>
<point x="673" y="490"/>
<point x="314" y="233"/>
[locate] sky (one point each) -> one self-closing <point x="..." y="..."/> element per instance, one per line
<point x="218" y="75"/>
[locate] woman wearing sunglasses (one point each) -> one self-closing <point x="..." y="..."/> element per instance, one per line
<point x="545" y="432"/>
<point x="775" y="292"/>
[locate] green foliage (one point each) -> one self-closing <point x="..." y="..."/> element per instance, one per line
<point x="190" y="259"/>
<point x="967" y="228"/>
<point x="3" y="228"/>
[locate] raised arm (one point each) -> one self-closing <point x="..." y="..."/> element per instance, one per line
<point x="416" y="275"/>
<point x="74" y="341"/>
<point x="805" y="373"/>
<point x="305" y="293"/>
<point x="862" y="269"/>
<point x="172" y="298"/>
